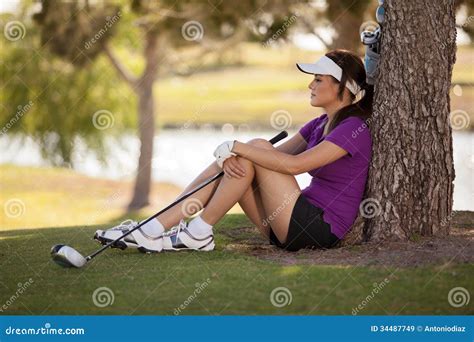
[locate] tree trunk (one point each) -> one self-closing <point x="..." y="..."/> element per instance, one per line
<point x="146" y="123"/>
<point x="411" y="177"/>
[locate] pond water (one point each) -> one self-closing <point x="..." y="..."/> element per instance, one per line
<point x="180" y="154"/>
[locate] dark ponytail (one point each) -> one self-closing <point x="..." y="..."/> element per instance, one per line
<point x="352" y="69"/>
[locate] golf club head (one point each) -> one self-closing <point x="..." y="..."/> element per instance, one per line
<point x="66" y="256"/>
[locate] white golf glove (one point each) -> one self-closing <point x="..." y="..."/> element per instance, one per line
<point x="224" y="151"/>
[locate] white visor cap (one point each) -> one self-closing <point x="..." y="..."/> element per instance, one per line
<point x="326" y="66"/>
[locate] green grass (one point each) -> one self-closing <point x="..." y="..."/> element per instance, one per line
<point x="58" y="201"/>
<point x="236" y="283"/>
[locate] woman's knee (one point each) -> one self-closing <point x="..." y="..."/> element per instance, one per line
<point x="247" y="164"/>
<point x="262" y="143"/>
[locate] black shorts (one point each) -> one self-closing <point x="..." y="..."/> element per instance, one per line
<point x="307" y="228"/>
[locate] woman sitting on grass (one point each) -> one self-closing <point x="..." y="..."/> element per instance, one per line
<point x="335" y="149"/>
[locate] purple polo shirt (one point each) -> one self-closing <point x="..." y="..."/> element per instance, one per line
<point x="338" y="187"/>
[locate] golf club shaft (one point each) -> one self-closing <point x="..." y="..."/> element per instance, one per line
<point x="274" y="140"/>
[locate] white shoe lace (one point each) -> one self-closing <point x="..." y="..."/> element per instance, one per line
<point x="176" y="229"/>
<point x="124" y="224"/>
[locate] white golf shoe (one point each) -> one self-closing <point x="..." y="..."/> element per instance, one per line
<point x="137" y="239"/>
<point x="180" y="238"/>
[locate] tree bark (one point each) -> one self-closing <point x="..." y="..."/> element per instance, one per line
<point x="411" y="175"/>
<point x="146" y="123"/>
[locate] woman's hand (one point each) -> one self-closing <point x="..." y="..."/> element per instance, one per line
<point x="223" y="152"/>
<point x="233" y="168"/>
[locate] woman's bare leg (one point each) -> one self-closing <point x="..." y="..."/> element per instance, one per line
<point x="195" y="202"/>
<point x="250" y="202"/>
<point x="252" y="205"/>
<point x="277" y="201"/>
<point x="255" y="192"/>
<point x="228" y="193"/>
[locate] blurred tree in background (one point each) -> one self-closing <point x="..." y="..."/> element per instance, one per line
<point x="63" y="97"/>
<point x="78" y="32"/>
<point x="88" y="67"/>
<point x="344" y="17"/>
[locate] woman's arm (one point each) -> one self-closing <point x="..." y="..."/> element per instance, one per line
<point x="295" y="145"/>
<point x="322" y="154"/>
